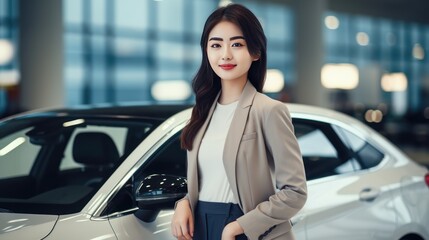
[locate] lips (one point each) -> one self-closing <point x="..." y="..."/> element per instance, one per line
<point x="227" y="66"/>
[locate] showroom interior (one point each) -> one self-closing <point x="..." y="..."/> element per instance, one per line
<point x="366" y="58"/>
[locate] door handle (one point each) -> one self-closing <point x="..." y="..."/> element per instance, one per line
<point x="369" y="194"/>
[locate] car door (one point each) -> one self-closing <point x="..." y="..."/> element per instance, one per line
<point x="130" y="227"/>
<point x="344" y="199"/>
<point x="169" y="159"/>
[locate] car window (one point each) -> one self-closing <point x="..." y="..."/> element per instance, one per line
<point x="117" y="134"/>
<point x="319" y="151"/>
<point x="17" y="154"/>
<point x="55" y="164"/>
<point x="365" y="155"/>
<point x="171" y="160"/>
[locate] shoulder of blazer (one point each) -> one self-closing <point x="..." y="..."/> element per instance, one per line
<point x="264" y="104"/>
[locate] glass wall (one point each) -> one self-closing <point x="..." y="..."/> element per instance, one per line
<point x="392" y="95"/>
<point x="390" y="56"/>
<point x="116" y="50"/>
<point x="9" y="73"/>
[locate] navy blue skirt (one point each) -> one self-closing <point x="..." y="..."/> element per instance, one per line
<point x="211" y="218"/>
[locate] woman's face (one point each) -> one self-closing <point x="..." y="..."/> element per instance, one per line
<point x="227" y="52"/>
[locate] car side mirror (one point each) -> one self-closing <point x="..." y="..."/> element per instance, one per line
<point x="157" y="192"/>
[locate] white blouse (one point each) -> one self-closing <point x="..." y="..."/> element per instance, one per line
<point x="214" y="185"/>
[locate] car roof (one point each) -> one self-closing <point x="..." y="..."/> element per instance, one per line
<point x="315" y="111"/>
<point x="159" y="111"/>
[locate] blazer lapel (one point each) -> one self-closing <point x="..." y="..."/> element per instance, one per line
<point x="234" y="135"/>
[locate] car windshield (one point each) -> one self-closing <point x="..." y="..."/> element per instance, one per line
<point x="54" y="164"/>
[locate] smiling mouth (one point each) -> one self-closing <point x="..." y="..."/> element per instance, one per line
<point x="227" y="66"/>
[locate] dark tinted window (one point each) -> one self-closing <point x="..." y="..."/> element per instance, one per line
<point x="365" y="154"/>
<point x="321" y="154"/>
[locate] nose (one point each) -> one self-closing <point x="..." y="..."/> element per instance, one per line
<point x="226" y="54"/>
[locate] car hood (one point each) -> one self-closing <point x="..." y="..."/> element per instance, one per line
<point x="25" y="226"/>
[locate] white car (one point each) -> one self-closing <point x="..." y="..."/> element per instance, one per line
<point x="115" y="172"/>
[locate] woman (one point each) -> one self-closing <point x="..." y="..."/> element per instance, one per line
<point x="241" y="143"/>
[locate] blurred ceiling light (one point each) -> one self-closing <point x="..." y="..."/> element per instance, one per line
<point x="373" y="116"/>
<point x="223" y="3"/>
<point x="418" y="52"/>
<point x="6" y="51"/>
<point x="332" y="22"/>
<point x="11" y="146"/>
<point x="340" y="76"/>
<point x="9" y="78"/>
<point x="73" y="122"/>
<point x="394" y="82"/>
<point x="274" y="82"/>
<point x="171" y="90"/>
<point x="362" y="38"/>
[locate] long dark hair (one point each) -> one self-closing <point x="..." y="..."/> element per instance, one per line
<point x="206" y="84"/>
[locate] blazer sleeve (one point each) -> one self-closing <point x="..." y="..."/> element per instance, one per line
<point x="289" y="176"/>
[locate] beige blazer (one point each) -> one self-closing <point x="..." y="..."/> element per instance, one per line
<point x="261" y="155"/>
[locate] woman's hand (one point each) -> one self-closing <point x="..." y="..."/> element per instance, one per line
<point x="182" y="223"/>
<point x="231" y="230"/>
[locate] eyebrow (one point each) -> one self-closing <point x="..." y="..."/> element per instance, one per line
<point x="221" y="39"/>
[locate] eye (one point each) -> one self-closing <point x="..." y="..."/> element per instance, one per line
<point x="215" y="45"/>
<point x="237" y="44"/>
